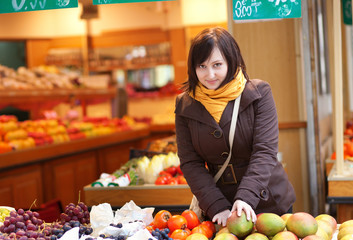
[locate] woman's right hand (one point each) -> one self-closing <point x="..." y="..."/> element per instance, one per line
<point x="240" y="206"/>
<point x="221" y="218"/>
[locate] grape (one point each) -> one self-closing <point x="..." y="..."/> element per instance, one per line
<point x="27" y="225"/>
<point x="74" y="212"/>
<point x="20" y="211"/>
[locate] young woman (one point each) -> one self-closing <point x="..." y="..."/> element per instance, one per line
<point x="254" y="181"/>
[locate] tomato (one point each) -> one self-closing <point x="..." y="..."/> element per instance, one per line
<point x="181" y="179"/>
<point x="177" y="222"/>
<point x="164" y="173"/>
<point x="180" y="234"/>
<point x="191" y="218"/>
<point x="161" y="180"/>
<point x="173" y="181"/>
<point x="179" y="170"/>
<point x="203" y="229"/>
<point x="210" y="225"/>
<point x="172" y="170"/>
<point x="161" y="219"/>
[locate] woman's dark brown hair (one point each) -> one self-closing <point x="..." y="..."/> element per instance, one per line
<point x="201" y="48"/>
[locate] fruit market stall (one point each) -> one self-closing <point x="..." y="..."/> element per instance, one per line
<point x="148" y="178"/>
<point x="132" y="222"/>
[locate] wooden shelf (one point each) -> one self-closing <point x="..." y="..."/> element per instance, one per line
<point x="24" y="96"/>
<point x="37" y="154"/>
<point x="143" y="195"/>
<point x="129" y="66"/>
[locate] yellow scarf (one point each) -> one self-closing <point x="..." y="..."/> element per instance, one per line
<point x="215" y="101"/>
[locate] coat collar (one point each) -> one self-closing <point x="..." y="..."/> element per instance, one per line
<point x="188" y="107"/>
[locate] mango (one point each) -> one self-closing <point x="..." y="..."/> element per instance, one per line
<point x="329" y="219"/>
<point x="286" y="216"/>
<point x="269" y="224"/>
<point x="321" y="233"/>
<point x="285" y="235"/>
<point x="225" y="236"/>
<point x="222" y="230"/>
<point x="344" y="231"/>
<point x="348" y="237"/>
<point x="256" y="236"/>
<point x="239" y="225"/>
<point x="196" y="236"/>
<point x="302" y="224"/>
<point x="326" y="227"/>
<point x="312" y="237"/>
<point x="346" y="224"/>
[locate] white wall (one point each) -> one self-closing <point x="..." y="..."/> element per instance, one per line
<point x="198" y="12"/>
<point x="67" y="22"/>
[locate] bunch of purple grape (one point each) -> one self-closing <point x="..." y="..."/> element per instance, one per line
<point x="57" y="230"/>
<point x="22" y="225"/>
<point x="74" y="212"/>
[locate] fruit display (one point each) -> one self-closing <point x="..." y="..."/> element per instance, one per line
<point x="347" y="143"/>
<point x="149" y="169"/>
<point x="16" y="135"/>
<point x="159" y="169"/>
<point x="131" y="222"/>
<point x="171" y="176"/>
<point x="22" y="225"/>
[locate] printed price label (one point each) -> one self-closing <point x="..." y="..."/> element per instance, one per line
<point x="11" y="6"/>
<point x="266" y="9"/>
<point x="98" y="2"/>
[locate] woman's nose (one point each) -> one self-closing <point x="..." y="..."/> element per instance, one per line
<point x="210" y="73"/>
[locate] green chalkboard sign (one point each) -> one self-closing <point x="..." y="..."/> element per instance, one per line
<point x="266" y="9"/>
<point x="347" y="11"/>
<point x="98" y="2"/>
<point x="11" y="6"/>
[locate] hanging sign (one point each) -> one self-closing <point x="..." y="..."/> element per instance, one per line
<point x="11" y="6"/>
<point x="266" y="9"/>
<point x="97" y="2"/>
<point x="347" y="11"/>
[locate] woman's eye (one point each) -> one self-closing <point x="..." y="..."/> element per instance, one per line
<point x="202" y="66"/>
<point x="218" y="64"/>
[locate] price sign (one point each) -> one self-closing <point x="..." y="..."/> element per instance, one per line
<point x="11" y="6"/>
<point x="266" y="9"/>
<point x="347" y="11"/>
<point x="98" y="2"/>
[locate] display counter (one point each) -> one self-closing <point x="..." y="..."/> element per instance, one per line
<point x="340" y="191"/>
<point x="60" y="171"/>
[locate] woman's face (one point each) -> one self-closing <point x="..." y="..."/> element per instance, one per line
<point x="212" y="72"/>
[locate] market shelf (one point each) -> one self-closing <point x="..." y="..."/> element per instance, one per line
<point x="24" y="96"/>
<point x="41" y="153"/>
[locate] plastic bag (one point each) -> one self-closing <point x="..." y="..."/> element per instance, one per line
<point x="194" y="206"/>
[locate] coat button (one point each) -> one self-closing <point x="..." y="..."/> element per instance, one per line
<point x="263" y="194"/>
<point x="224" y="155"/>
<point x="217" y="133"/>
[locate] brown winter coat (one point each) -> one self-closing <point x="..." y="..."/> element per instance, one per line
<point x="255" y="175"/>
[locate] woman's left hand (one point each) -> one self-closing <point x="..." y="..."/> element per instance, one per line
<point x="240" y="206"/>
